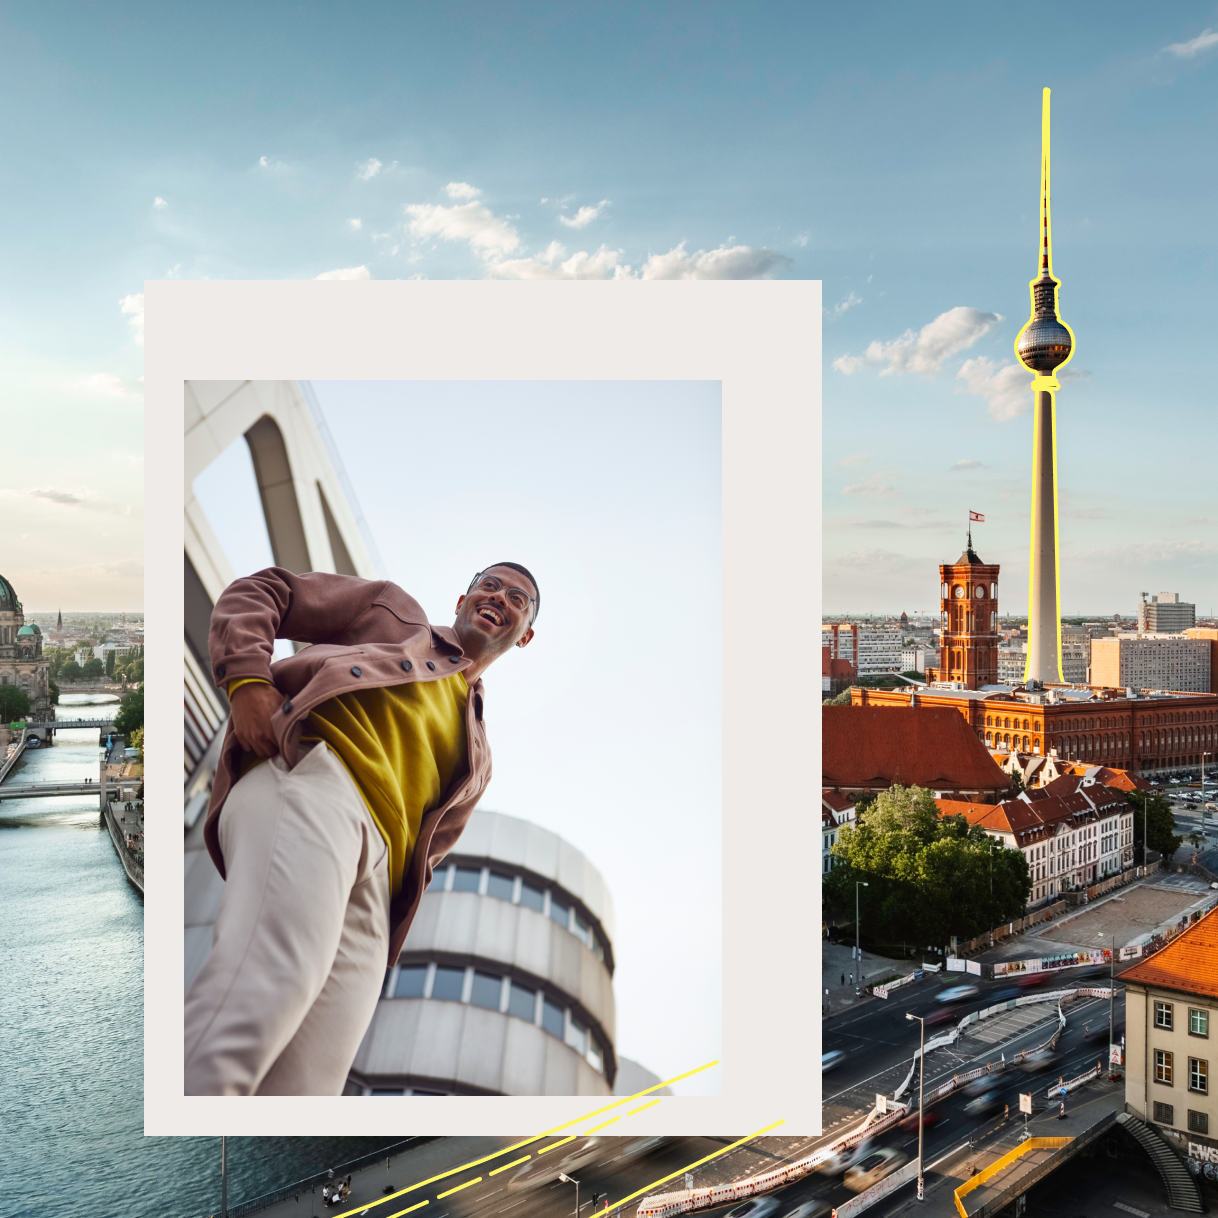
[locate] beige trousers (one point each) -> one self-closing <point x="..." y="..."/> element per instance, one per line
<point x="301" y="936"/>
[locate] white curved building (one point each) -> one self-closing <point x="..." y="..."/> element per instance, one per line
<point x="504" y="985"/>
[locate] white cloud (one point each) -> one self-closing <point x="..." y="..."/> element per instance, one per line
<point x="159" y="203"/>
<point x="462" y="190"/>
<point x="355" y="225"/>
<point x="133" y="307"/>
<point x="877" y="561"/>
<point x="262" y="161"/>
<point x="1005" y="387"/>
<point x="1194" y="46"/>
<point x="584" y="216"/>
<point x="855" y="459"/>
<point x="734" y="262"/>
<point x="346" y="272"/>
<point x="844" y="306"/>
<point x="924" y="352"/>
<point x="871" y="489"/>
<point x="801" y="240"/>
<point x="968" y="463"/>
<point x="92" y="384"/>
<point x="553" y="264"/>
<point x="369" y="169"/>
<point x="486" y="233"/>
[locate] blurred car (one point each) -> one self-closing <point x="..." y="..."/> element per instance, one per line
<point x="958" y="993"/>
<point x="642" y="1146"/>
<point x="542" y="1171"/>
<point x="1030" y="979"/>
<point x="755" y="1207"/>
<point x="929" y="1118"/>
<point x="809" y="1209"/>
<point x="834" y="1057"/>
<point x="837" y="1163"/>
<point x="872" y="1169"/>
<point x="979" y="1086"/>
<point x="1011" y="991"/>
<point x="984" y="1103"/>
<point x="943" y="1015"/>
<point x="1037" y="1061"/>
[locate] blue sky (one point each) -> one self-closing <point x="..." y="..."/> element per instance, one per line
<point x="889" y="150"/>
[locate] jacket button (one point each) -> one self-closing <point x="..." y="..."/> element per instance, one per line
<point x="287" y="706"/>
<point x="431" y="666"/>
<point x="220" y="671"/>
<point x="357" y="672"/>
<point x="454" y="659"/>
<point x="407" y="665"/>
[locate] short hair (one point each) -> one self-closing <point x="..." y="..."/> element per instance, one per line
<point x="515" y="566"/>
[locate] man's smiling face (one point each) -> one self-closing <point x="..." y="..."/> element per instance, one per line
<point x="490" y="620"/>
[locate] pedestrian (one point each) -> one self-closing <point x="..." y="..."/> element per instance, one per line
<point x="348" y="772"/>
<point x="851" y="978"/>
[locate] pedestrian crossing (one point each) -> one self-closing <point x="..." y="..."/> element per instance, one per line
<point x="1004" y="1027"/>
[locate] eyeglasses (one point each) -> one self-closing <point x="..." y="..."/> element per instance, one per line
<point x="518" y="598"/>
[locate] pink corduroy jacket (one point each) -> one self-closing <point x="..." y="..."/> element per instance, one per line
<point x="363" y="634"/>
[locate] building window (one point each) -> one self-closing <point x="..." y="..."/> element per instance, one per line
<point x="552" y="1018"/>
<point x="532" y="898"/>
<point x="1198" y="1022"/>
<point x="466" y="880"/>
<point x="522" y="1002"/>
<point x="1198" y="1076"/>
<point x="559" y="912"/>
<point x="411" y="978"/>
<point x="1198" y="1122"/>
<point x="500" y="886"/>
<point x="486" y="990"/>
<point x="1163" y="1015"/>
<point x="448" y="984"/>
<point x="1163" y="1067"/>
<point x="1163" y="1113"/>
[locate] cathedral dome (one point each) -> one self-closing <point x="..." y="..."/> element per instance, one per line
<point x="31" y="629"/>
<point x="8" y="597"/>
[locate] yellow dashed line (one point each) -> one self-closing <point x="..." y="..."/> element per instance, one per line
<point x="513" y="1163"/>
<point x="475" y="1180"/>
<point x="643" y="1108"/>
<point x="410" y="1209"/>
<point x="601" y="1125"/>
<point x="561" y="1142"/>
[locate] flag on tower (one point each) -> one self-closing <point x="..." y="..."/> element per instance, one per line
<point x="976" y="515"/>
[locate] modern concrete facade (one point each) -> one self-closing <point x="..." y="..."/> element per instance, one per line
<point x="504" y="985"/>
<point x="1152" y="661"/>
<point x="1166" y="614"/>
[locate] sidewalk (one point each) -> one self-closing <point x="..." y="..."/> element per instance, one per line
<point x="836" y="963"/>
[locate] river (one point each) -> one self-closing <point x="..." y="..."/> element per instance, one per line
<point x="72" y="1024"/>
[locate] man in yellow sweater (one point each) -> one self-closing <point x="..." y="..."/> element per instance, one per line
<point x="348" y="772"/>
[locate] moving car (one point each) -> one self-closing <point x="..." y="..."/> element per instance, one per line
<point x="1003" y="995"/>
<point x="943" y="1015"/>
<point x="1030" y="979"/>
<point x="982" y="1104"/>
<point x="1040" y="1060"/>
<point x="929" y="1117"/>
<point x="754" y="1207"/>
<point x="837" y="1163"/>
<point x="872" y="1169"/>
<point x="834" y="1057"/>
<point x="809" y="1209"/>
<point x="958" y="993"/>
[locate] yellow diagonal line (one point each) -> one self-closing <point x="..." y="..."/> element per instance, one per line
<point x="589" y="1132"/>
<point x="475" y="1180"/>
<point x="513" y="1163"/>
<point x="507" y="1150"/>
<point x="643" y="1108"/>
<point x="560" y="1142"/>
<point x="410" y="1209"/>
<point x="680" y="1171"/>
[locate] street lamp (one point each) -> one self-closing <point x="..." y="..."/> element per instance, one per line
<point x="921" y="1071"/>
<point x="1111" y="991"/>
<point x="1204" y="830"/>
<point x="571" y="1180"/>
<point x="858" y="938"/>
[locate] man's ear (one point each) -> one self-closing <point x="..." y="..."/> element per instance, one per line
<point x="525" y="638"/>
<point x="460" y="602"/>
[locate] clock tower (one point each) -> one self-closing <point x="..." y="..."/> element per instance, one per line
<point x="968" y="626"/>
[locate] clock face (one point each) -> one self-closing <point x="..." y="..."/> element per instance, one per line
<point x="959" y="592"/>
<point x="979" y="591"/>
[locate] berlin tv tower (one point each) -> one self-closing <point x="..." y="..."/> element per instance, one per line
<point x="1044" y="345"/>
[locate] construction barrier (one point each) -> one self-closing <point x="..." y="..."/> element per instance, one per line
<point x="877" y="1192"/>
<point x="1055" y="1091"/>
<point x="881" y="991"/>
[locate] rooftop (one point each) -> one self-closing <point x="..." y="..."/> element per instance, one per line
<point x="1189" y="962"/>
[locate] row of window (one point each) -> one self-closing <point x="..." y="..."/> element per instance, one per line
<point x="1198" y="1071"/>
<point x="1198" y="1122"/>
<point x="517" y="891"/>
<point x="1198" y="1018"/>
<point x="483" y="989"/>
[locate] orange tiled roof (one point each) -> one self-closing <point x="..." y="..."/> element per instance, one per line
<point x="1188" y="963"/>
<point x="925" y="746"/>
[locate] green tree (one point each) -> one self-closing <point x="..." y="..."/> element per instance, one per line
<point x="54" y="692"/>
<point x="110" y="656"/>
<point x="71" y="671"/>
<point x="93" y="668"/>
<point x="842" y="699"/>
<point x="130" y="714"/>
<point x="1154" y="813"/>
<point x="927" y="877"/>
<point x="14" y="703"/>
